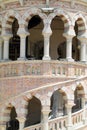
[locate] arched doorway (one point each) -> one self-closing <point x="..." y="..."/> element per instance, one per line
<point x="33" y="112"/>
<point x="35" y="41"/>
<point x="58" y="42"/>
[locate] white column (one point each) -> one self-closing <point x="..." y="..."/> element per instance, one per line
<point x="22" y="47"/>
<point x="83" y="52"/>
<point x="21" y="122"/>
<point x="69" y="119"/>
<point x="23" y="34"/>
<point x="44" y="121"/>
<point x="0" y="50"/>
<point x="84" y="111"/>
<point x="46" y="33"/>
<point x="68" y="47"/>
<point x="6" y="48"/>
<point x="2" y="127"/>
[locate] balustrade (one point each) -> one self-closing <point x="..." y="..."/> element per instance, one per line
<point x="77" y="118"/>
<point x="58" y="123"/>
<point x="38" y="68"/>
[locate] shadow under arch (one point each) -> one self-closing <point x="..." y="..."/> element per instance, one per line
<point x="33" y="112"/>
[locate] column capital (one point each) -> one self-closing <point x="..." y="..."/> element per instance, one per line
<point x="22" y="32"/>
<point x="70" y="104"/>
<point x="67" y="36"/>
<point x="21" y="119"/>
<point x="46" y="110"/>
<point x="6" y="36"/>
<point x="47" y="32"/>
<point x="71" y="31"/>
<point x="82" y="39"/>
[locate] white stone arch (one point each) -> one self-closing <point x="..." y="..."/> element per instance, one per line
<point x="64" y="17"/>
<point x="9" y="18"/>
<point x="31" y="12"/>
<point x="81" y="22"/>
<point x="67" y="93"/>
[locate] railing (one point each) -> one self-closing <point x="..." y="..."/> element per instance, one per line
<point x="77" y="118"/>
<point x="58" y="123"/>
<point x="34" y="127"/>
<point x="36" y="68"/>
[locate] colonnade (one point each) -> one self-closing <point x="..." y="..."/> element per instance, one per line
<point x="47" y="32"/>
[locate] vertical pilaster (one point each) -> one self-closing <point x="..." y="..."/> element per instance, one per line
<point x="46" y="33"/>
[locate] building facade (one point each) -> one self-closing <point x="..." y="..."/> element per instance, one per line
<point x="43" y="65"/>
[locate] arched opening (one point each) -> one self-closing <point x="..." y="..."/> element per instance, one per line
<point x="58" y="42"/>
<point x="35" y="41"/>
<point x="78" y="95"/>
<point x="33" y="112"/>
<point x="57" y="104"/>
<point x="79" y="30"/>
<point x="14" y="45"/>
<point x="13" y="123"/>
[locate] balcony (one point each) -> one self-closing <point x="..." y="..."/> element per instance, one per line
<point x="61" y="122"/>
<point x="42" y="68"/>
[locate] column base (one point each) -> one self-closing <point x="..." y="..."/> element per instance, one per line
<point x="46" y="58"/>
<point x="70" y="59"/>
<point x="84" y="62"/>
<point x="5" y="60"/>
<point x="70" y="127"/>
<point x="21" y="58"/>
